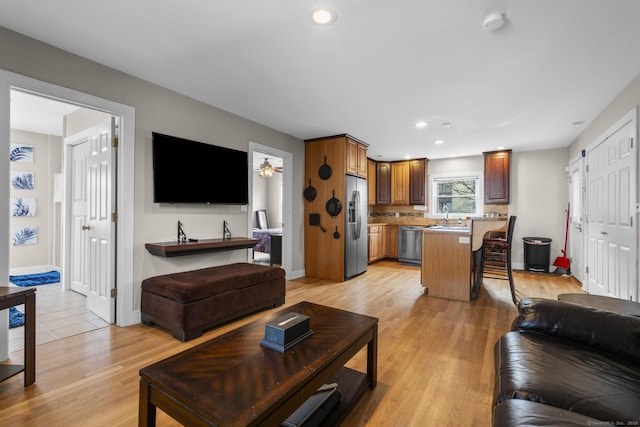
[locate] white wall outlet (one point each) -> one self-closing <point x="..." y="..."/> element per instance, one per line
<point x="243" y="208"/>
<point x="397" y="214"/>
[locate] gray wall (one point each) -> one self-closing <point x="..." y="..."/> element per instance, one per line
<point x="161" y="110"/>
<point x="621" y="105"/>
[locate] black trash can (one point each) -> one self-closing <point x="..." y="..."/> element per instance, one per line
<point x="537" y="253"/>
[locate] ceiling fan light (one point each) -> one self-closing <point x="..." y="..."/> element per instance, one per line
<point x="266" y="170"/>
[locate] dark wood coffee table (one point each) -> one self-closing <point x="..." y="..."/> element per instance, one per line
<point x="232" y="380"/>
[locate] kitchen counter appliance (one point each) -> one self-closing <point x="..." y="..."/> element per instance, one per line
<point x="410" y="244"/>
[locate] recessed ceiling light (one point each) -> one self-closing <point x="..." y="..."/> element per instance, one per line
<point x="446" y="124"/>
<point x="323" y="16"/>
<point x="421" y="124"/>
<point x="579" y="122"/>
<point x="438" y="142"/>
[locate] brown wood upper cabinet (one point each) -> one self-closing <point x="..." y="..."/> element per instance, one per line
<point x="356" y="158"/>
<point x="496" y="177"/>
<point x="418" y="182"/>
<point x="371" y="182"/>
<point x="383" y="181"/>
<point x="400" y="183"/>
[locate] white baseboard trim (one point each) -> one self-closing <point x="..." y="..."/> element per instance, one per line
<point x="296" y="274"/>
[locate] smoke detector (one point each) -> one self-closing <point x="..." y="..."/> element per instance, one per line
<point x="493" y="21"/>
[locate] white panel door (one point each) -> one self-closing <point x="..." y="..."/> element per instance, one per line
<point x="91" y="240"/>
<point x="101" y="245"/>
<point x="612" y="238"/>
<point x="576" y="237"/>
<point x="78" y="279"/>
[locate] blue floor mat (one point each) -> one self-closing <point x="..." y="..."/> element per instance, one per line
<point x="16" y="318"/>
<point x="35" y="279"/>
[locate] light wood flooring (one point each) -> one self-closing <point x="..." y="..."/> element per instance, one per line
<point x="435" y="356"/>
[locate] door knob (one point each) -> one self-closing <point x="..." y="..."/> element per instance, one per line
<point x="86" y="227"/>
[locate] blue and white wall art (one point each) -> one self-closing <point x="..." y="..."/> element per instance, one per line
<point x="22" y="153"/>
<point x="23" y="207"/>
<point x="21" y="180"/>
<point x="24" y="235"/>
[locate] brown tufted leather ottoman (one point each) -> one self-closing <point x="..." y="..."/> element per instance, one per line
<point x="187" y="303"/>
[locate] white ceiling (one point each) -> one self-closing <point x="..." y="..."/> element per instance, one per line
<point x="37" y="114"/>
<point x="382" y="66"/>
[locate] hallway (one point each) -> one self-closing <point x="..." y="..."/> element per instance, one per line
<point x="59" y="314"/>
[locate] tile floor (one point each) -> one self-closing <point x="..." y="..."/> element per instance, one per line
<point x="59" y="314"/>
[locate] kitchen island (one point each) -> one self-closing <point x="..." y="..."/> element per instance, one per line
<point x="451" y="255"/>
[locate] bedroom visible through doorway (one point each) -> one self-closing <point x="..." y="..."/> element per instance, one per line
<point x="267" y="208"/>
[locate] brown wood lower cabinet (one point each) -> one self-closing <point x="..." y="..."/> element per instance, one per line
<point x="383" y="242"/>
<point x="446" y="264"/>
<point x="391" y="247"/>
<point x="375" y="243"/>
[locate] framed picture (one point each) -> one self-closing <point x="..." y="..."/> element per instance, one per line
<point x="23" y="207"/>
<point x="24" y="235"/>
<point x="22" y="180"/>
<point x="21" y="153"/>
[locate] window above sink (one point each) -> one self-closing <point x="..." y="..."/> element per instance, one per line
<point x="456" y="195"/>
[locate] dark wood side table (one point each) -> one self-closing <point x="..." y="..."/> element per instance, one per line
<point x="616" y="305"/>
<point x="11" y="297"/>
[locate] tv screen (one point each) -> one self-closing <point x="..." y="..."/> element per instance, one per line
<point x="186" y="171"/>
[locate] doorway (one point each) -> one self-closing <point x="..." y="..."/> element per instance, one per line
<point x="125" y="306"/>
<point x="279" y="198"/>
<point x="576" y="206"/>
<point x="39" y="124"/>
<point x="266" y="199"/>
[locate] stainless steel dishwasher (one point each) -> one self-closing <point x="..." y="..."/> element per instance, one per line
<point x="410" y="244"/>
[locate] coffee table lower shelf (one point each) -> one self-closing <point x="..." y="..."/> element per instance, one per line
<point x="352" y="385"/>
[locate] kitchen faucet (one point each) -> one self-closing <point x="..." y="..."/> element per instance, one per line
<point x="445" y="209"/>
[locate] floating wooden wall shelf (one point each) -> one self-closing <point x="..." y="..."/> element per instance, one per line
<point x="171" y="249"/>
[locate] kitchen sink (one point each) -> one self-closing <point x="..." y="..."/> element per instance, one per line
<point x="449" y="227"/>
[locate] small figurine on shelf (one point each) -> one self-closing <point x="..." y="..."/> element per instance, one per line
<point x="182" y="238"/>
<point x="226" y="234"/>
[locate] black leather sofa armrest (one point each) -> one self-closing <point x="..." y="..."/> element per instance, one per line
<point x="611" y="332"/>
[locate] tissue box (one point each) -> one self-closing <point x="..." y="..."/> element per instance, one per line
<point x="286" y="331"/>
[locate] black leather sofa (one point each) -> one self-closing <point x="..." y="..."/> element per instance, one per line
<point x="564" y="364"/>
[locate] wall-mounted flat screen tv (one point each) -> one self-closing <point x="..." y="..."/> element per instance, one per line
<point x="186" y="171"/>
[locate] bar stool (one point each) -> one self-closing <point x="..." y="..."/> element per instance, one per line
<point x="496" y="258"/>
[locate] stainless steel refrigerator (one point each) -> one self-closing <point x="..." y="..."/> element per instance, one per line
<point x="356" y="239"/>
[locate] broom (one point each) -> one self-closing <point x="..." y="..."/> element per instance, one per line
<point x="562" y="263"/>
